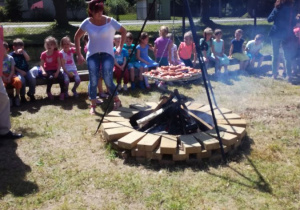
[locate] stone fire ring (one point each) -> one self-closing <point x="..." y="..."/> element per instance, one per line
<point x="117" y="131"/>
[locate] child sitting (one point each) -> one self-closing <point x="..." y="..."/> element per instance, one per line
<point x="120" y="61"/>
<point x="9" y="77"/>
<point x="218" y="52"/>
<point x="133" y="62"/>
<point x="174" y="60"/>
<point x="142" y="55"/>
<point x="68" y="65"/>
<point x="206" y="45"/>
<point x="252" y="49"/>
<point x="50" y="66"/>
<point x="22" y="69"/>
<point x="186" y="49"/>
<point x="237" y="49"/>
<point x="162" y="47"/>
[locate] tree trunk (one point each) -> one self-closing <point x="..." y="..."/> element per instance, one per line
<point x="220" y="8"/>
<point x="251" y="6"/>
<point x="205" y="11"/>
<point x="61" y="12"/>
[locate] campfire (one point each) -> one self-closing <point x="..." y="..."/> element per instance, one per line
<point x="171" y="116"/>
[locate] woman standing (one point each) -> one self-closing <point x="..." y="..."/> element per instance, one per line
<point x="101" y="30"/>
<point x="281" y="33"/>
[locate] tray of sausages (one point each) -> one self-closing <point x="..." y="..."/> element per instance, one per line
<point x="173" y="73"/>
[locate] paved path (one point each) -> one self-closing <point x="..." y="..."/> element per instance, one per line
<point x="139" y="22"/>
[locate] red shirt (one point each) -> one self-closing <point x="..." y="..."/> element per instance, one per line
<point x="50" y="61"/>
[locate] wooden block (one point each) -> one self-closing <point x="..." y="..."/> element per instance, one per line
<point x="190" y="144"/>
<point x="129" y="110"/>
<point x="116" y="133"/>
<point x="188" y="103"/>
<point x="204" y="154"/>
<point x="115" y="119"/>
<point x="149" y="155"/>
<point x="239" y="131"/>
<point x="140" y="107"/>
<point x="109" y="125"/>
<point x="130" y="141"/>
<point x="126" y="115"/>
<point x="156" y="155"/>
<point x="228" y="116"/>
<point x="180" y="155"/>
<point x="114" y="145"/>
<point x="227" y="138"/>
<point x="195" y="106"/>
<point x="149" y="142"/>
<point x="219" y="111"/>
<point x="135" y="152"/>
<point x="225" y="148"/>
<point x="233" y="122"/>
<point x="208" y="142"/>
<point x="168" y="144"/>
<point x="153" y="105"/>
<point x="125" y="123"/>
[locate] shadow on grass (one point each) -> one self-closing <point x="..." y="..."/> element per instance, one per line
<point x="67" y="104"/>
<point x="13" y="172"/>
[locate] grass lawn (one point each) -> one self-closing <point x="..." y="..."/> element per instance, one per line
<point x="61" y="164"/>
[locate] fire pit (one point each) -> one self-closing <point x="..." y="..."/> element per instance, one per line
<point x="173" y="129"/>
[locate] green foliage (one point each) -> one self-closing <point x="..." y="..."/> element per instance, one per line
<point x="75" y="6"/>
<point x="13" y="9"/>
<point x="2" y="14"/>
<point x="117" y="7"/>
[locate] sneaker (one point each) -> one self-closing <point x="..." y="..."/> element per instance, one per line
<point x="99" y="101"/>
<point x="75" y="94"/>
<point x="50" y="96"/>
<point x="62" y="96"/>
<point x="125" y="87"/>
<point x="119" y="87"/>
<point x="23" y="99"/>
<point x="31" y="96"/>
<point x="17" y="101"/>
<point x="132" y="86"/>
<point x="103" y="95"/>
<point x="66" y="94"/>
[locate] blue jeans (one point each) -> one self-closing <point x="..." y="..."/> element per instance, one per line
<point x="28" y="79"/>
<point x="95" y="63"/>
<point x="289" y="50"/>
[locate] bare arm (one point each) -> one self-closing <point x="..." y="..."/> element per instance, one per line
<point x="79" y="33"/>
<point x="230" y="50"/>
<point x="123" y="38"/>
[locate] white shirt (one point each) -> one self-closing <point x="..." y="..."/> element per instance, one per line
<point x="100" y="37"/>
<point x="69" y="59"/>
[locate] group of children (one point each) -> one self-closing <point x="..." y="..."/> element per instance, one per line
<point x="60" y="65"/>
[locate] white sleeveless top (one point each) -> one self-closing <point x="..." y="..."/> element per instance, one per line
<point x="100" y="37"/>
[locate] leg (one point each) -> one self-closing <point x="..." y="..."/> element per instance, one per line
<point x="66" y="82"/>
<point x="76" y="83"/>
<point x="93" y="63"/>
<point x="23" y="88"/>
<point x="275" y="45"/>
<point x="4" y="110"/>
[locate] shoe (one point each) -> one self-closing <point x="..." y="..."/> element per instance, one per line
<point x="17" y="101"/>
<point x="31" y="96"/>
<point x="66" y="94"/>
<point x="99" y="101"/>
<point x="50" y="96"/>
<point x="125" y="87"/>
<point x="62" y="96"/>
<point x="11" y="135"/>
<point x="284" y="75"/>
<point x="23" y="99"/>
<point x="93" y="110"/>
<point x="117" y="104"/>
<point x="141" y="84"/>
<point x="75" y="94"/>
<point x="119" y="87"/>
<point x="103" y="95"/>
<point x="132" y="86"/>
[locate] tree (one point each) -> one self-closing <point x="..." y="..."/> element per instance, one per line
<point x="117" y="7"/>
<point x="75" y="6"/>
<point x="61" y="12"/>
<point x="12" y="9"/>
<point x="205" y="12"/>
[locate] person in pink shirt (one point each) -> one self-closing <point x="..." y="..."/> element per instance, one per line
<point x="50" y="66"/>
<point x="186" y="49"/>
<point x="5" y="132"/>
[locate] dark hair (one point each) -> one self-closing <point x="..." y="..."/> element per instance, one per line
<point x="218" y="31"/>
<point x="95" y="6"/>
<point x="259" y="37"/>
<point x="144" y="35"/>
<point x="279" y="3"/>
<point x="18" y="42"/>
